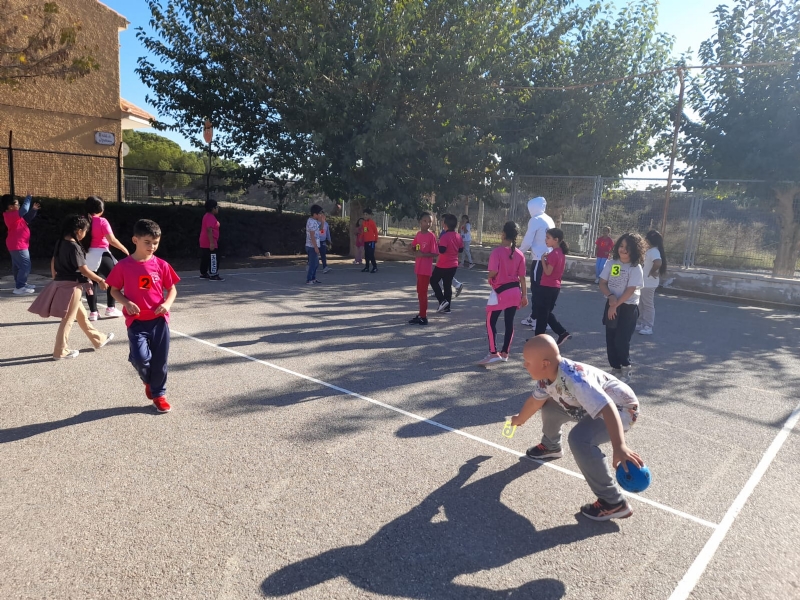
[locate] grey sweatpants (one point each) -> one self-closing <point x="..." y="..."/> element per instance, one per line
<point x="584" y="441"/>
<point x="647" y="307"/>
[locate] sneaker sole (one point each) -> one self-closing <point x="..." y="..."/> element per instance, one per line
<point x="622" y="514"/>
<point x="551" y="455"/>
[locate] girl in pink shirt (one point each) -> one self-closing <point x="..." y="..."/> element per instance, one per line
<point x="450" y="248"/>
<point x="98" y="257"/>
<point x="553" y="264"/>
<point x="507" y="278"/>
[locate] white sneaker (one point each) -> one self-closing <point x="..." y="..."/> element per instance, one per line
<point x="490" y="359"/>
<point x="327" y="270"/>
<point x="625" y="374"/>
<point x="93" y="316"/>
<point x="109" y="337"/>
<point x="616" y="373"/>
<point x="443" y="306"/>
<point x="22" y="291"/>
<point x="70" y="354"/>
<point x="529" y="322"/>
<point x="471" y="266"/>
<point x="30" y="287"/>
<point x="646" y="331"/>
<point x="597" y="280"/>
<point x="113" y="311"/>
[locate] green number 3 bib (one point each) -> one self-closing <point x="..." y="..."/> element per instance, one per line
<point x="615" y="270"/>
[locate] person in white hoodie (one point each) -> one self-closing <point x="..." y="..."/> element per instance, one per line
<point x="534" y="241"/>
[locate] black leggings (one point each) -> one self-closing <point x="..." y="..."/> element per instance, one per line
<point x="619" y="332"/>
<point x="106" y="264"/>
<point x="209" y="261"/>
<point x="369" y="254"/>
<point x="508" y="316"/>
<point x="545" y="303"/>
<point x="446" y="277"/>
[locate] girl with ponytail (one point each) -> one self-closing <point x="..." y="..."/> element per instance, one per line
<point x="507" y="278"/>
<point x="553" y="264"/>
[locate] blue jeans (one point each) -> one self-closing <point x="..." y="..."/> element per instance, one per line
<point x="149" y="350"/>
<point x="598" y="267"/>
<point x="20" y="267"/>
<point x="323" y="254"/>
<point x="313" y="263"/>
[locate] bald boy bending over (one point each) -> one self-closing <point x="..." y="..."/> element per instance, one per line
<point x="604" y="409"/>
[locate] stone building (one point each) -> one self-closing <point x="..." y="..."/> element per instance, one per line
<point x="83" y="117"/>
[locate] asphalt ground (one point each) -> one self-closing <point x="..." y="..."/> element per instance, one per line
<point x="320" y="447"/>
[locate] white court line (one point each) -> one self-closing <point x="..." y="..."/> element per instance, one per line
<point x="692" y="576"/>
<point x="658" y="505"/>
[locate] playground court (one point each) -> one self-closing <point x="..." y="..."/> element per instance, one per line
<point x="319" y="447"/>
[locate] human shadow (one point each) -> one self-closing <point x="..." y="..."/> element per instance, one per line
<point x="14" y="434"/>
<point x="16" y="361"/>
<point x="421" y="553"/>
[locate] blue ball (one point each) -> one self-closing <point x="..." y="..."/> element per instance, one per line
<point x="636" y="480"/>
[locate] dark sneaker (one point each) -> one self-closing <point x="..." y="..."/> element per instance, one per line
<point x="603" y="511"/>
<point x="365" y="269"/>
<point x="446" y="311"/>
<point x="540" y="452"/>
<point x="216" y="278"/>
<point x="204" y="276"/>
<point x="423" y="321"/>
<point x="375" y="269"/>
<point x="443" y="306"/>
<point x="416" y="320"/>
<point x="458" y="289"/>
<point x="563" y="337"/>
<point x="161" y="404"/>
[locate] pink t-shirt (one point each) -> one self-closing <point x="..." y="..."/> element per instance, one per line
<point x="19" y="234"/>
<point x="558" y="261"/>
<point x="452" y="243"/>
<point x="508" y="269"/>
<point x="144" y="284"/>
<point x="209" y="220"/>
<point x="100" y="229"/>
<point x="424" y="242"/>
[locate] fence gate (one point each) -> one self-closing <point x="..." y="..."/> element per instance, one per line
<point x="693" y="234"/>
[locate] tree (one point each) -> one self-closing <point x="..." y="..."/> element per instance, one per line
<point x="162" y="159"/>
<point x="749" y="117"/>
<point x="37" y="41"/>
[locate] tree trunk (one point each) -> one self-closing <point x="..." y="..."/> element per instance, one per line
<point x="354" y="208"/>
<point x="789" y="241"/>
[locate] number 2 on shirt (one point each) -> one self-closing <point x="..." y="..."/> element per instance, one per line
<point x="615" y="270"/>
<point x="145" y="282"/>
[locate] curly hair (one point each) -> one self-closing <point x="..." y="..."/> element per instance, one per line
<point x="636" y="248"/>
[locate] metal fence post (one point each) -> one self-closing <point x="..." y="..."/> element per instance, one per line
<point x="480" y="222"/>
<point x="11" y="163"/>
<point x="514" y="197"/>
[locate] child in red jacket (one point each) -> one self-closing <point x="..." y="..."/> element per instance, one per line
<point x="370" y="231"/>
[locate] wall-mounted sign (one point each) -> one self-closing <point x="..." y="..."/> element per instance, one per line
<point x="104" y="138"/>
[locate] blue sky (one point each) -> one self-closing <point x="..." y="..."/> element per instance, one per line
<point x="690" y="21"/>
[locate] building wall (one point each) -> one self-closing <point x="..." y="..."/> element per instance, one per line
<point x="50" y="114"/>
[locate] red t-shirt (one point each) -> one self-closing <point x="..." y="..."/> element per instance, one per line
<point x="509" y="266"/>
<point x="558" y="261"/>
<point x="604" y="245"/>
<point x="144" y="284"/>
<point x="452" y="243"/>
<point x="370" y="231"/>
<point x="209" y="220"/>
<point x="424" y="242"/>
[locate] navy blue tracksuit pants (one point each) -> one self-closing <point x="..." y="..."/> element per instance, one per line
<point x="149" y="349"/>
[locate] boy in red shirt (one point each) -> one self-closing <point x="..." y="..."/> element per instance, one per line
<point x="370" y="230"/>
<point x="17" y="218"/>
<point x="450" y="248"/>
<point x="138" y="283"/>
<point x="423" y="247"/>
<point x="603" y="244"/>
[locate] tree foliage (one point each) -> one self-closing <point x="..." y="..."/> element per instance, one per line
<point x="749" y="118"/>
<point x="160" y="157"/>
<point x="395" y="103"/>
<point x="37" y="40"/>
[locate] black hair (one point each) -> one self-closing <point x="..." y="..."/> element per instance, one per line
<point x="211" y="205"/>
<point x="367" y="211"/>
<point x="423" y="215"/>
<point x="635" y="247"/>
<point x="316" y="209"/>
<point x="145" y="227"/>
<point x="73" y="223"/>
<point x="450" y="222"/>
<point x="656" y="240"/>
<point x="465" y="217"/>
<point x="557" y="234"/>
<point x="95" y="205"/>
<point x="7" y="200"/>
<point x="358" y="221"/>
<point x="511" y="232"/>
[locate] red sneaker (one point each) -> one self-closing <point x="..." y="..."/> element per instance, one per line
<point x="147" y="391"/>
<point x="161" y="404"/>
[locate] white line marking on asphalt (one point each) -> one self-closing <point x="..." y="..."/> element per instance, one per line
<point x="692" y="576"/>
<point x="439" y="425"/>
